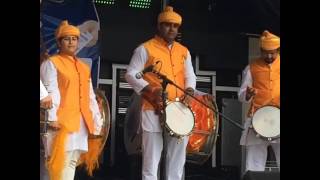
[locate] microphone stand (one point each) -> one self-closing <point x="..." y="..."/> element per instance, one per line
<point x="166" y="81"/>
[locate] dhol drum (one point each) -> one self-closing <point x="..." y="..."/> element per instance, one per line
<point x="205" y="132"/>
<point x="266" y="122"/>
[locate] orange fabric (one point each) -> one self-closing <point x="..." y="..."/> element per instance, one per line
<point x="65" y="29"/>
<point x="269" y="41"/>
<point x="73" y="82"/>
<point x="168" y="15"/>
<point x="56" y="161"/>
<point x="266" y="79"/>
<point x="172" y="65"/>
<point x="90" y="158"/>
<point x="204" y="122"/>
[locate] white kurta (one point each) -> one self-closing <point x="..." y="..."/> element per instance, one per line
<point x="43" y="91"/>
<point x="76" y="140"/>
<point x="152" y="138"/>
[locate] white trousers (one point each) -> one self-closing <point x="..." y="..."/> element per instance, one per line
<point x="69" y="168"/>
<point x="257" y="156"/>
<point x="70" y="164"/>
<point x="152" y="146"/>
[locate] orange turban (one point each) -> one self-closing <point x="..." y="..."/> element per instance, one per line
<point x="168" y="15"/>
<point x="65" y="29"/>
<point x="269" y="41"/>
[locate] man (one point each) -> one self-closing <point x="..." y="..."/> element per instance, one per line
<point x="260" y="87"/>
<point x="75" y="113"/>
<point x="45" y="99"/>
<point x="175" y="63"/>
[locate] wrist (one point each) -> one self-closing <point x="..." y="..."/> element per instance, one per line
<point x="190" y="91"/>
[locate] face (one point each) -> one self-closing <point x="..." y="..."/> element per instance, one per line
<point x="168" y="31"/>
<point x="68" y="44"/>
<point x="269" y="55"/>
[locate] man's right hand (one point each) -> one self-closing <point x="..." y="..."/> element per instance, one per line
<point x="46" y="102"/>
<point x="250" y="93"/>
<point x="154" y="96"/>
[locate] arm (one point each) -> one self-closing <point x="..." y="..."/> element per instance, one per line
<point x="246" y="82"/>
<point x="136" y="65"/>
<point x="190" y="77"/>
<point x="48" y="75"/>
<point x="43" y="91"/>
<point x="97" y="118"/>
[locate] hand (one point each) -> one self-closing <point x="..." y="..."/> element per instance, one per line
<point x="250" y="93"/>
<point x="187" y="99"/>
<point x="46" y="102"/>
<point x="154" y="96"/>
<point x="54" y="125"/>
<point x="101" y="134"/>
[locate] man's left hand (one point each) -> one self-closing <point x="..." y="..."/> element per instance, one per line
<point x="46" y="102"/>
<point x="187" y="99"/>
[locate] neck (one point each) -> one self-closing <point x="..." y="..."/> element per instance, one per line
<point x="67" y="54"/>
<point x="168" y="42"/>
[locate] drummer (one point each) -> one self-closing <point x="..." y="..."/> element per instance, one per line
<point x="174" y="62"/>
<point x="260" y="87"/>
<point x="75" y="112"/>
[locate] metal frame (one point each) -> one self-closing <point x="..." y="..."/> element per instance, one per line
<point x="113" y="108"/>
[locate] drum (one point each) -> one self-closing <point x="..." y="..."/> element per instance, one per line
<point x="205" y="132"/>
<point x="179" y="119"/>
<point x="266" y="122"/>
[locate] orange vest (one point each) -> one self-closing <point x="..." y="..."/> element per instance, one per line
<point x="171" y="64"/>
<point x="266" y="79"/>
<point x="74" y="83"/>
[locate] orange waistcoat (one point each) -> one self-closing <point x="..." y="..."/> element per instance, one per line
<point x="74" y="83"/>
<point x="171" y="64"/>
<point x="266" y="79"/>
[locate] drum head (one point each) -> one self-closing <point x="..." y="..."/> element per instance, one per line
<point x="266" y="122"/>
<point x="179" y="118"/>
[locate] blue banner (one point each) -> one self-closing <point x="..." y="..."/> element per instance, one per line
<point x="80" y="13"/>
